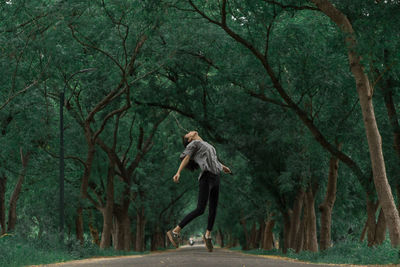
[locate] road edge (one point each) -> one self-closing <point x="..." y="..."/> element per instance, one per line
<point x="307" y="262"/>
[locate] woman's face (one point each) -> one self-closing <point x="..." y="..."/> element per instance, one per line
<point x="191" y="135"/>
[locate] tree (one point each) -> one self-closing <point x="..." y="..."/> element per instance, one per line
<point x="365" y="92"/>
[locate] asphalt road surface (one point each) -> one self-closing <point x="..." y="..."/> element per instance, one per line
<point x="195" y="256"/>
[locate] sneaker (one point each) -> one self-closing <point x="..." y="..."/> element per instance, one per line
<point x="174" y="238"/>
<point x="208" y="242"/>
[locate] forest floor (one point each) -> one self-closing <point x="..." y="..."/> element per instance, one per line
<point x="197" y="256"/>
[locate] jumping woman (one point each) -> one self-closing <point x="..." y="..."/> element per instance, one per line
<point x="200" y="154"/>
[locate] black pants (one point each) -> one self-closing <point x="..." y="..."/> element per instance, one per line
<point x="208" y="189"/>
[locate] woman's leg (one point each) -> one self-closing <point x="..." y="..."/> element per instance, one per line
<point x="212" y="209"/>
<point x="201" y="203"/>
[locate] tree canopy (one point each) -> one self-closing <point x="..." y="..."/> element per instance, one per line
<point x="299" y="98"/>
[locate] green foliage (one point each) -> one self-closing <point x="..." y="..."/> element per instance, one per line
<point x="18" y="251"/>
<point x="346" y="252"/>
<point x="194" y="69"/>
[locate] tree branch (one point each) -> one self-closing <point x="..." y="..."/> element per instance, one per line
<point x="27" y="22"/>
<point x="130" y="141"/>
<point x="266" y="99"/>
<point x="203" y="14"/>
<point x="78" y="159"/>
<point x="165" y="106"/>
<point x="95" y="48"/>
<point x="109" y="115"/>
<point x="292" y="6"/>
<point x="16" y="94"/>
<point x="139" y="45"/>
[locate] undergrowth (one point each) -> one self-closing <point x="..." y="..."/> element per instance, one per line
<point x="17" y="251"/>
<point x="347" y="252"/>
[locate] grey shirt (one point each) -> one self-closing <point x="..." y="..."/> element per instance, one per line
<point x="204" y="155"/>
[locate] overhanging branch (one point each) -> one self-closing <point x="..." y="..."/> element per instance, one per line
<point x="292" y="6"/>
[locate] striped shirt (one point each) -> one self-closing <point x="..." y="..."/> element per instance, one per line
<point x="204" y="155"/>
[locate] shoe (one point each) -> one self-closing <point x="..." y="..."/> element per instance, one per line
<point x="208" y="243"/>
<point x="174" y="238"/>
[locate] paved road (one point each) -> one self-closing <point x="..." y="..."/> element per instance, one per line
<point x="196" y="256"/>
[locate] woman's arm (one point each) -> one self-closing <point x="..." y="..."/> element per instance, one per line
<point x="225" y="169"/>
<point x="184" y="162"/>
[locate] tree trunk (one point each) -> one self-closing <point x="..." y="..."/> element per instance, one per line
<point x="12" y="212"/>
<point x="127" y="233"/>
<point x="268" y="241"/>
<point x="365" y="92"/>
<point x="161" y="239"/>
<point x="107" y="211"/>
<point x="133" y="238"/>
<point x="312" y="244"/>
<point x="157" y="240"/>
<point x="304" y="233"/>
<point x="85" y="178"/>
<point x="286" y="231"/>
<point x="259" y="234"/>
<point x="229" y="239"/>
<point x="326" y="207"/>
<point x="3" y="182"/>
<point x="246" y="234"/>
<point x="371" y="221"/>
<point x="295" y="220"/>
<point x="140" y="227"/>
<point x="89" y="160"/>
<point x="118" y="232"/>
<point x="364" y="231"/>
<point x="154" y="240"/>
<point x="262" y="231"/>
<point x="221" y="237"/>
<point x="301" y="232"/>
<point x="253" y="236"/>
<point x="79" y="224"/>
<point x="107" y="228"/>
<point x="218" y="239"/>
<point x="122" y="229"/>
<point x="380" y="231"/>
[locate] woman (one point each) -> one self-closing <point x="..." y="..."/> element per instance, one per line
<point x="200" y="154"/>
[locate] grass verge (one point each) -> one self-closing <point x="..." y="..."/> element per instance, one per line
<point x="15" y="251"/>
<point x="349" y="252"/>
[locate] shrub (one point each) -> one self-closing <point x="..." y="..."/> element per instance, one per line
<point x="347" y="252"/>
<point x="19" y="251"/>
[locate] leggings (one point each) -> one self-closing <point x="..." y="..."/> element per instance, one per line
<point x="208" y="189"/>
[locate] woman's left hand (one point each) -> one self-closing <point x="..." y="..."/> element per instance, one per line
<point x="176" y="178"/>
<point x="226" y="169"/>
